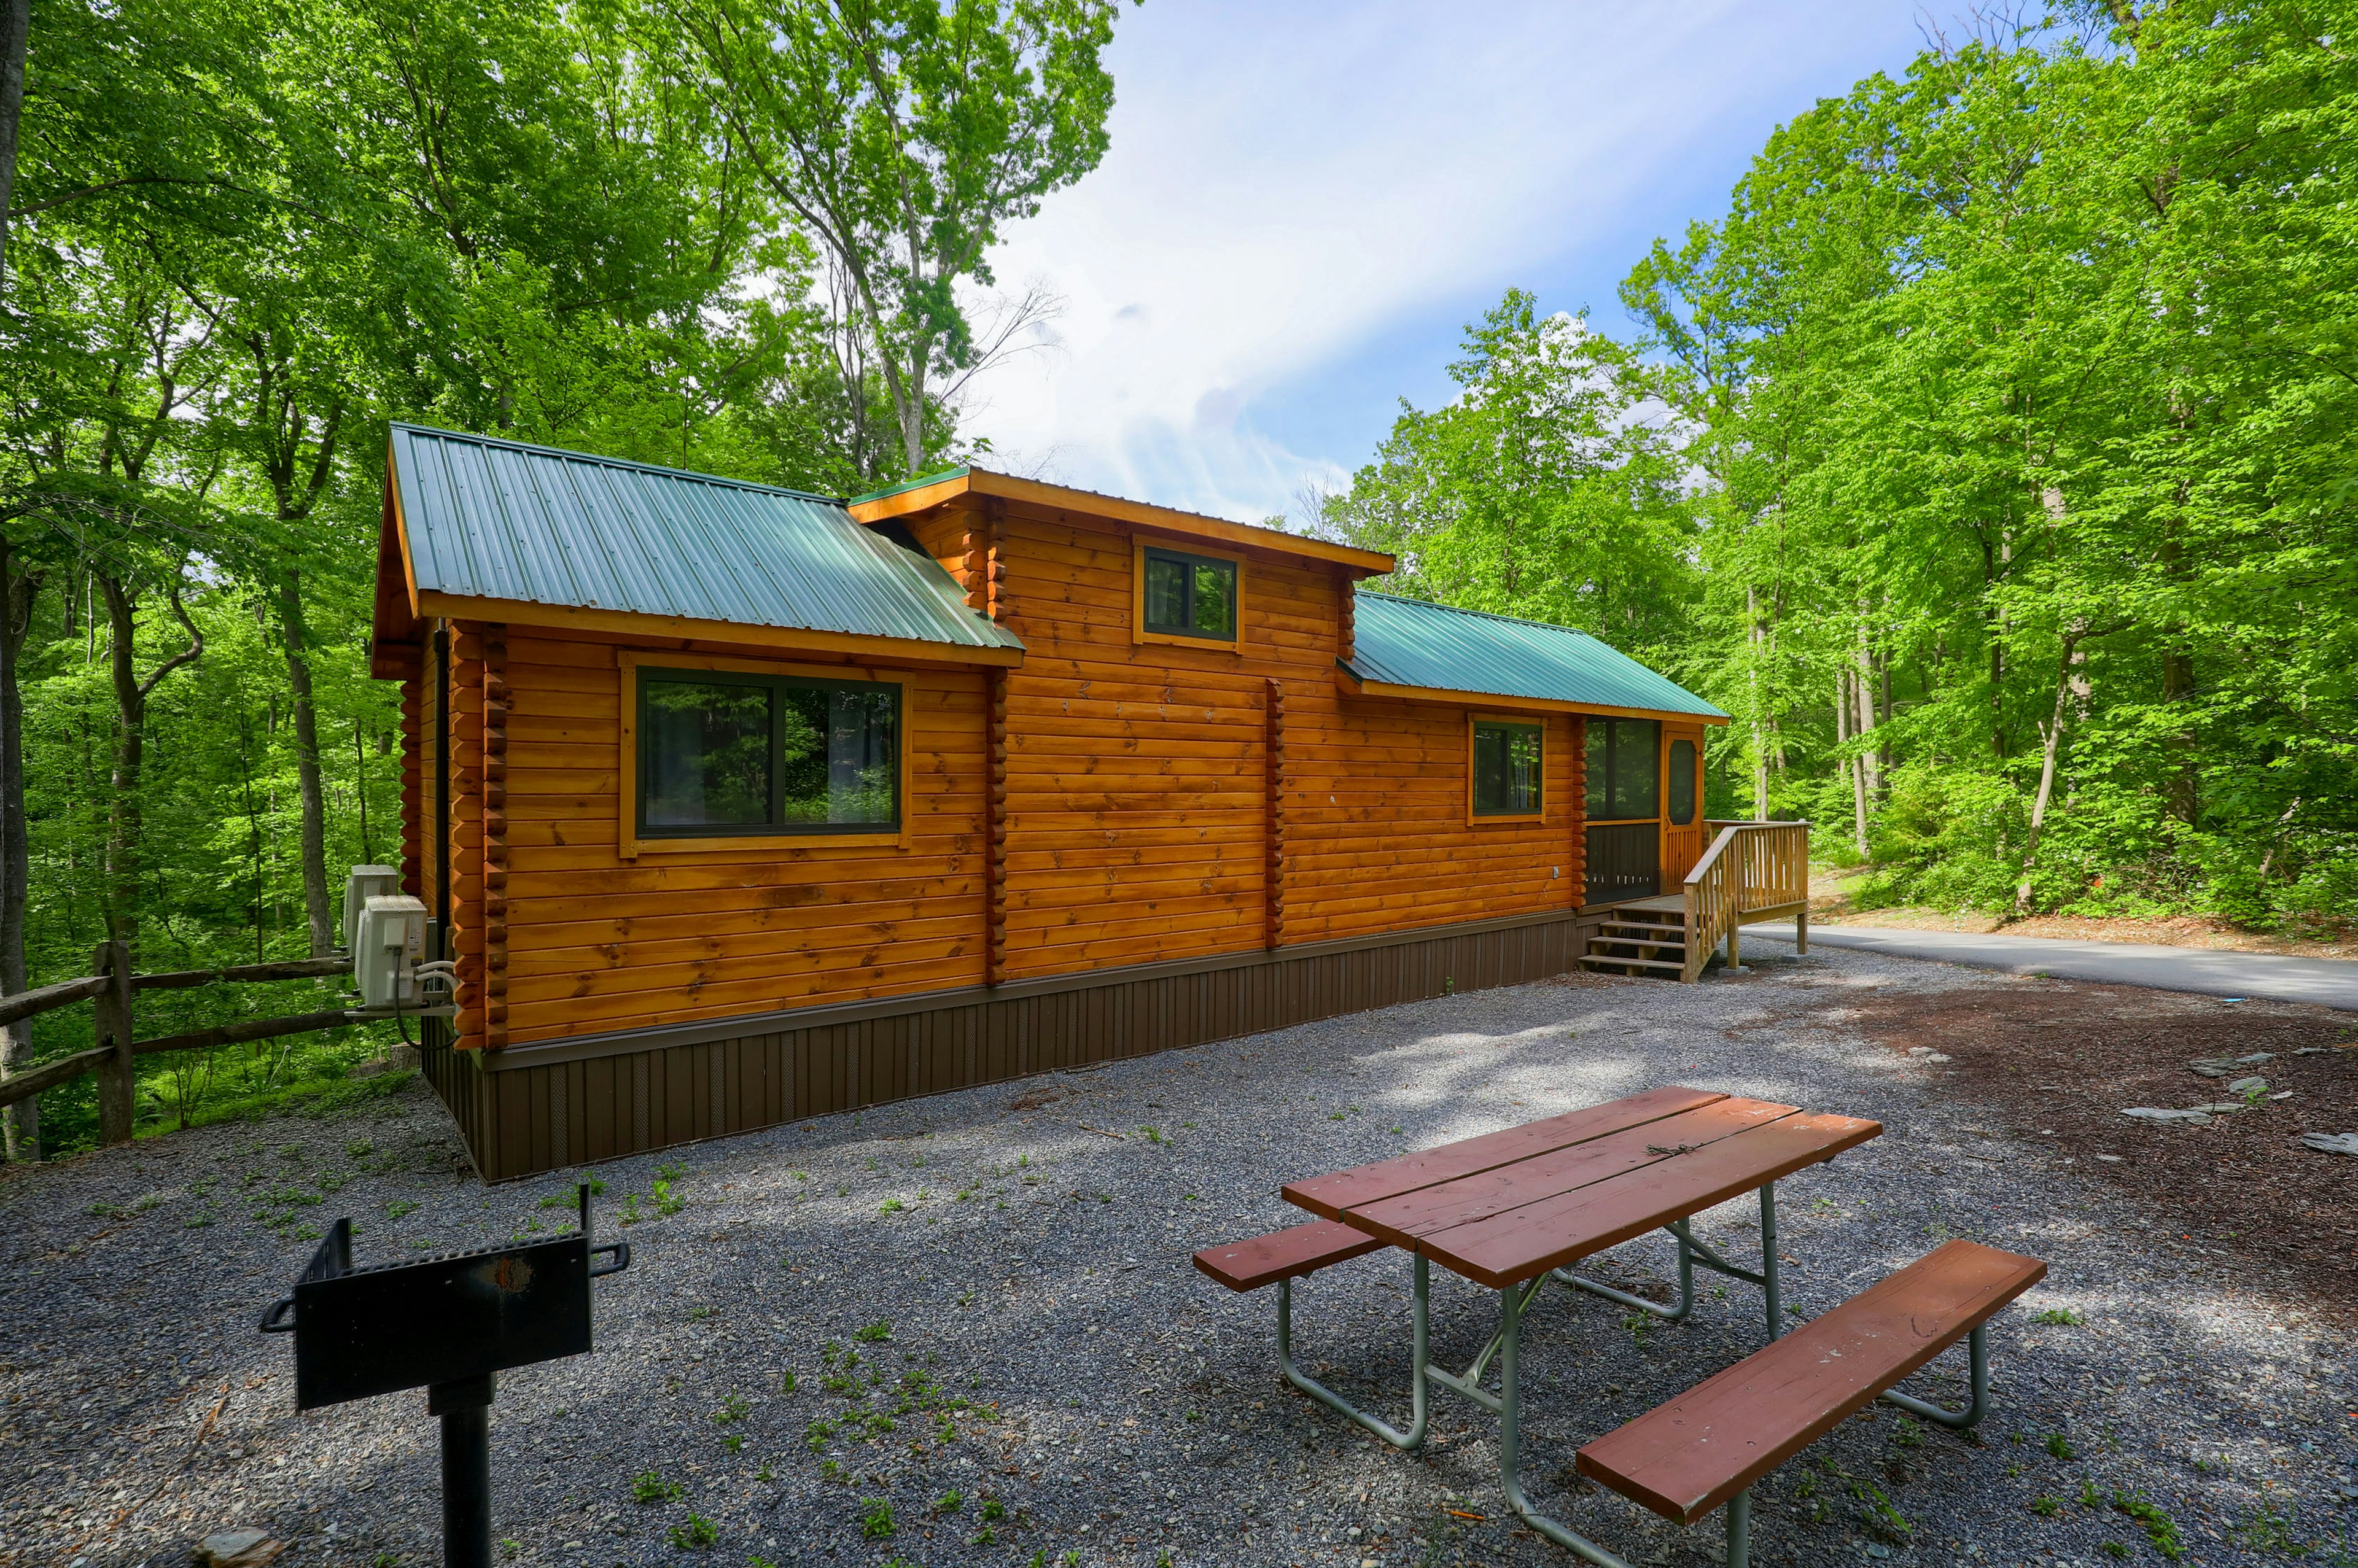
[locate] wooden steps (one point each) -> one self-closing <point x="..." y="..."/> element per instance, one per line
<point x="1641" y="938"/>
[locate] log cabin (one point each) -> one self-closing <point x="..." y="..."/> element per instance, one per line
<point x="734" y="805"/>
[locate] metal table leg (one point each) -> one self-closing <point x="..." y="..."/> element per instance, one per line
<point x="1511" y="1325"/>
<point x="1421" y="1302"/>
<point x="1977" y="1360"/>
<point x="1695" y="1254"/>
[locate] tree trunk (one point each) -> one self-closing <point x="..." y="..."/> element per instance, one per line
<point x="123" y="821"/>
<point x="909" y="393"/>
<point x="307" y="771"/>
<point x="21" y="1123"/>
<point x="16" y="28"/>
<point x="1883" y="714"/>
<point x="2071" y="694"/>
<point x="1862" y="687"/>
<point x="1850" y="763"/>
<point x="1759" y="636"/>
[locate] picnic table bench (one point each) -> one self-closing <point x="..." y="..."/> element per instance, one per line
<point x="1513" y="1209"/>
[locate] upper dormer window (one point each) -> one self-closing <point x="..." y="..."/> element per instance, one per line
<point x="1187" y="596"/>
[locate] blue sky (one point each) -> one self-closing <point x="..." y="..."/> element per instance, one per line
<point x="1303" y="204"/>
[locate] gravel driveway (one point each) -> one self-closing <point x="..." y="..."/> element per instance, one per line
<point x="965" y="1331"/>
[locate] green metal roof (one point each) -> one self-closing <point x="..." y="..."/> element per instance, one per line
<point x="1407" y="642"/>
<point x="919" y="483"/>
<point x="494" y="519"/>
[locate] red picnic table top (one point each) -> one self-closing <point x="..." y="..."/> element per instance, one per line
<point x="1509" y="1205"/>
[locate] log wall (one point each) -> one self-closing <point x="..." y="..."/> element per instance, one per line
<point x="596" y="942"/>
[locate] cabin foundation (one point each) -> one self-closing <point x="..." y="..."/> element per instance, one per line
<point x="533" y="1109"/>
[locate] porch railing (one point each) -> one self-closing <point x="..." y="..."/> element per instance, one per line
<point x="1753" y="870"/>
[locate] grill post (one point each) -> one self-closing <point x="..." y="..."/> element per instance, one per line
<point x="465" y="1408"/>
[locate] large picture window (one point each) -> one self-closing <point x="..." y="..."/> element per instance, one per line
<point x="1624" y="769"/>
<point x="1508" y="766"/>
<point x="1187" y="596"/>
<point x="727" y="754"/>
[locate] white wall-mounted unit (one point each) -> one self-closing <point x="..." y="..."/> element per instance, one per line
<point x="388" y="943"/>
<point x="361" y="884"/>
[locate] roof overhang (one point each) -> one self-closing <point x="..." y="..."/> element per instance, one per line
<point x="630" y="623"/>
<point x="1351" y="684"/>
<point x="923" y="495"/>
<point x="396" y="635"/>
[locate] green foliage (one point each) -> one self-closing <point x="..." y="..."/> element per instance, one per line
<point x="696" y="1534"/>
<point x="2159" y="1528"/>
<point x="1542" y="490"/>
<point x="1988" y="459"/>
<point x="653" y="1489"/>
<point x="876" y="1518"/>
<point x="243" y="242"/>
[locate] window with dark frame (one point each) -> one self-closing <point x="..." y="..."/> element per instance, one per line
<point x="1624" y="769"/>
<point x="725" y="754"/>
<point x="1190" y="596"/>
<point x="1508" y="767"/>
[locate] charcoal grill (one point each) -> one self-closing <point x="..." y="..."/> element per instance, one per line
<point x="448" y="1324"/>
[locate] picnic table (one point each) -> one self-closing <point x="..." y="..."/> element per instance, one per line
<point x="1511" y="1209"/>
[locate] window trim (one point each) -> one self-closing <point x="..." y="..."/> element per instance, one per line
<point x="1140" y="544"/>
<point x="1474" y="722"/>
<point x="629" y="842"/>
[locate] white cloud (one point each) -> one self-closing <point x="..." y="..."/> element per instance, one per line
<point x="1288" y="183"/>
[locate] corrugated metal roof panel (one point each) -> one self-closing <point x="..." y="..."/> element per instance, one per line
<point x="493" y="519"/>
<point x="1407" y="642"/>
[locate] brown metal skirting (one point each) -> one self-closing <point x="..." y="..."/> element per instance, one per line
<point x="537" y="1108"/>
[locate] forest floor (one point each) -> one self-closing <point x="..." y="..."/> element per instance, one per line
<point x="1831" y="900"/>
<point x="963" y="1332"/>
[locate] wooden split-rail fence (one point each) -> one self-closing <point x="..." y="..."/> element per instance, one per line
<point x="114" y="1056"/>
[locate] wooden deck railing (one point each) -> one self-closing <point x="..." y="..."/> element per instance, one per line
<point x="109" y="994"/>
<point x="1753" y="870"/>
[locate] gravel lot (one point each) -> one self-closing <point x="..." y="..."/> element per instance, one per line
<point x="1044" y="1379"/>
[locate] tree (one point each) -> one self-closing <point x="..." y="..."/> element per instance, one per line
<point x="900" y="136"/>
<point x="1547" y="488"/>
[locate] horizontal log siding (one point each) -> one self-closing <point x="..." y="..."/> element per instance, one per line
<point x="523" y="1113"/>
<point x="1137" y="809"/>
<point x="596" y="942"/>
<point x="1376" y="823"/>
<point x="1138" y="805"/>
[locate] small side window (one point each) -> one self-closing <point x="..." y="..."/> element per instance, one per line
<point x="1189" y="596"/>
<point x="1683" y="781"/>
<point x="1507" y="768"/>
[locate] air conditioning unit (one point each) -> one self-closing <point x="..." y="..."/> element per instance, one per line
<point x="361" y="884"/>
<point x="388" y="945"/>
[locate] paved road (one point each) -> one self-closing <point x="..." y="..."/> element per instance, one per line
<point x="2332" y="982"/>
